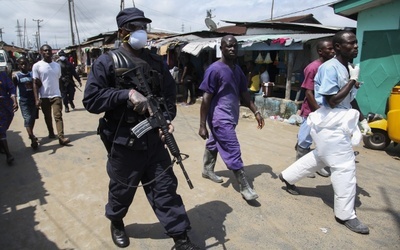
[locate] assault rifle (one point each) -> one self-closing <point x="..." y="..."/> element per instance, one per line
<point x="76" y="86"/>
<point x="156" y="119"/>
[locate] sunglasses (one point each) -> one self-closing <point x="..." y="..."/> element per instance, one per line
<point x="133" y="26"/>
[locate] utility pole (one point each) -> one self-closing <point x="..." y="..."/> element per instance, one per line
<point x="38" y="32"/>
<point x="272" y="10"/>
<point x="76" y="26"/>
<point x="37" y="40"/>
<point x="19" y="33"/>
<point x="25" y="38"/>
<point x="70" y="21"/>
<point x="1" y="34"/>
<point x="122" y="5"/>
<point x="78" y="51"/>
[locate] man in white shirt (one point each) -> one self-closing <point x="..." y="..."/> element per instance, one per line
<point x="46" y="77"/>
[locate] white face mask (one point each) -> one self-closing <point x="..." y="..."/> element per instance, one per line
<point x="138" y="39"/>
<point x="62" y="58"/>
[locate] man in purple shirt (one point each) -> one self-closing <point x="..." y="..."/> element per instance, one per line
<point x="224" y="85"/>
<point x="304" y="140"/>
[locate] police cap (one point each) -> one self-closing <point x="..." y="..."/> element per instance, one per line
<point x="61" y="53"/>
<point x="129" y="15"/>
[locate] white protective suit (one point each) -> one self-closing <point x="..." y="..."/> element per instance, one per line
<point x="334" y="131"/>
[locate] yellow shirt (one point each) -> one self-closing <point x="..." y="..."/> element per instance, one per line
<point x="255" y="83"/>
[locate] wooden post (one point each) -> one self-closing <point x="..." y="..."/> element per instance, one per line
<point x="289" y="74"/>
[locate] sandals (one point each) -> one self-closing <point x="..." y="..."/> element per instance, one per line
<point x="34" y="143"/>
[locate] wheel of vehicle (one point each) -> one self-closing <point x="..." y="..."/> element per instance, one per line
<point x="378" y="141"/>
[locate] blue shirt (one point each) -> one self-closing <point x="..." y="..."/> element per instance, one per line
<point x="330" y="78"/>
<point x="25" y="86"/>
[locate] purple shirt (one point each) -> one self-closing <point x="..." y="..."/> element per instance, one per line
<point x="7" y="87"/>
<point x="309" y="73"/>
<point x="226" y="86"/>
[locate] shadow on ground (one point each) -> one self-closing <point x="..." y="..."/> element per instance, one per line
<point x="21" y="188"/>
<point x="208" y="219"/>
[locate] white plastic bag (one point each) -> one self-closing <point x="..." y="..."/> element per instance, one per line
<point x="268" y="59"/>
<point x="259" y="59"/>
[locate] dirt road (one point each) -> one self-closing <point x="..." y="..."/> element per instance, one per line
<point x="54" y="198"/>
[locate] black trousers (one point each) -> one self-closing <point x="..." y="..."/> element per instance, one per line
<point x="129" y="167"/>
<point x="68" y="94"/>
<point x="188" y="86"/>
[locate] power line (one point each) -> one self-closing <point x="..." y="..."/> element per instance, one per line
<point x="81" y="11"/>
<point x="311" y="8"/>
<point x="172" y="16"/>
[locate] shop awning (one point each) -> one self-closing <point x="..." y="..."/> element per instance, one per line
<point x="195" y="48"/>
<point x="175" y="39"/>
<point x="163" y="49"/>
<point x="277" y="41"/>
<point x="256" y="42"/>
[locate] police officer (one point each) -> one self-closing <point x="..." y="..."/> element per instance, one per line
<point x="67" y="85"/>
<point x="132" y="160"/>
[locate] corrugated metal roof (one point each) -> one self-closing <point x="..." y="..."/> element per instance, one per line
<point x="232" y="29"/>
<point x="175" y="39"/>
<point x="308" y="18"/>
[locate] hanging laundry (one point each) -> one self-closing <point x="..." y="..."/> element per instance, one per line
<point x="276" y="62"/>
<point x="281" y="41"/>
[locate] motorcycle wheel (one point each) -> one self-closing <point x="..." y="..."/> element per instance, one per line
<point x="378" y="141"/>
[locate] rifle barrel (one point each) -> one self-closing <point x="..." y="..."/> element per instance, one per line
<point x="189" y="182"/>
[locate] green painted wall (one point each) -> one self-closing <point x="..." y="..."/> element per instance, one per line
<point x="378" y="33"/>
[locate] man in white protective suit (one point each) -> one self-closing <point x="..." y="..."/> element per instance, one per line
<point x="334" y="129"/>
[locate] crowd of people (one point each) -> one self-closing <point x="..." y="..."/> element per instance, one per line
<point x="120" y="85"/>
<point x="45" y="85"/>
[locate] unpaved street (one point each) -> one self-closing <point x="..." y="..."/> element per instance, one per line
<point x="54" y="198"/>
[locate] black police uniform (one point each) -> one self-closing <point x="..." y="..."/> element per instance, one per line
<point x="143" y="160"/>
<point x="67" y="86"/>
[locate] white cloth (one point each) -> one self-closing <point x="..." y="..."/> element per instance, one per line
<point x="49" y="74"/>
<point x="337" y="127"/>
<point x="343" y="178"/>
<point x="333" y="131"/>
<point x="264" y="77"/>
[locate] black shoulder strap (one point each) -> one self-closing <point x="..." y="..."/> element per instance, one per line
<point x="120" y="59"/>
<point x="152" y="67"/>
<point x="123" y="62"/>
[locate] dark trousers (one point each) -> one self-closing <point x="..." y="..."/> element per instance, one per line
<point x="68" y="95"/>
<point x="127" y="166"/>
<point x="188" y="86"/>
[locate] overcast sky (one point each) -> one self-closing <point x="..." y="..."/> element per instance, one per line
<point x="98" y="16"/>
